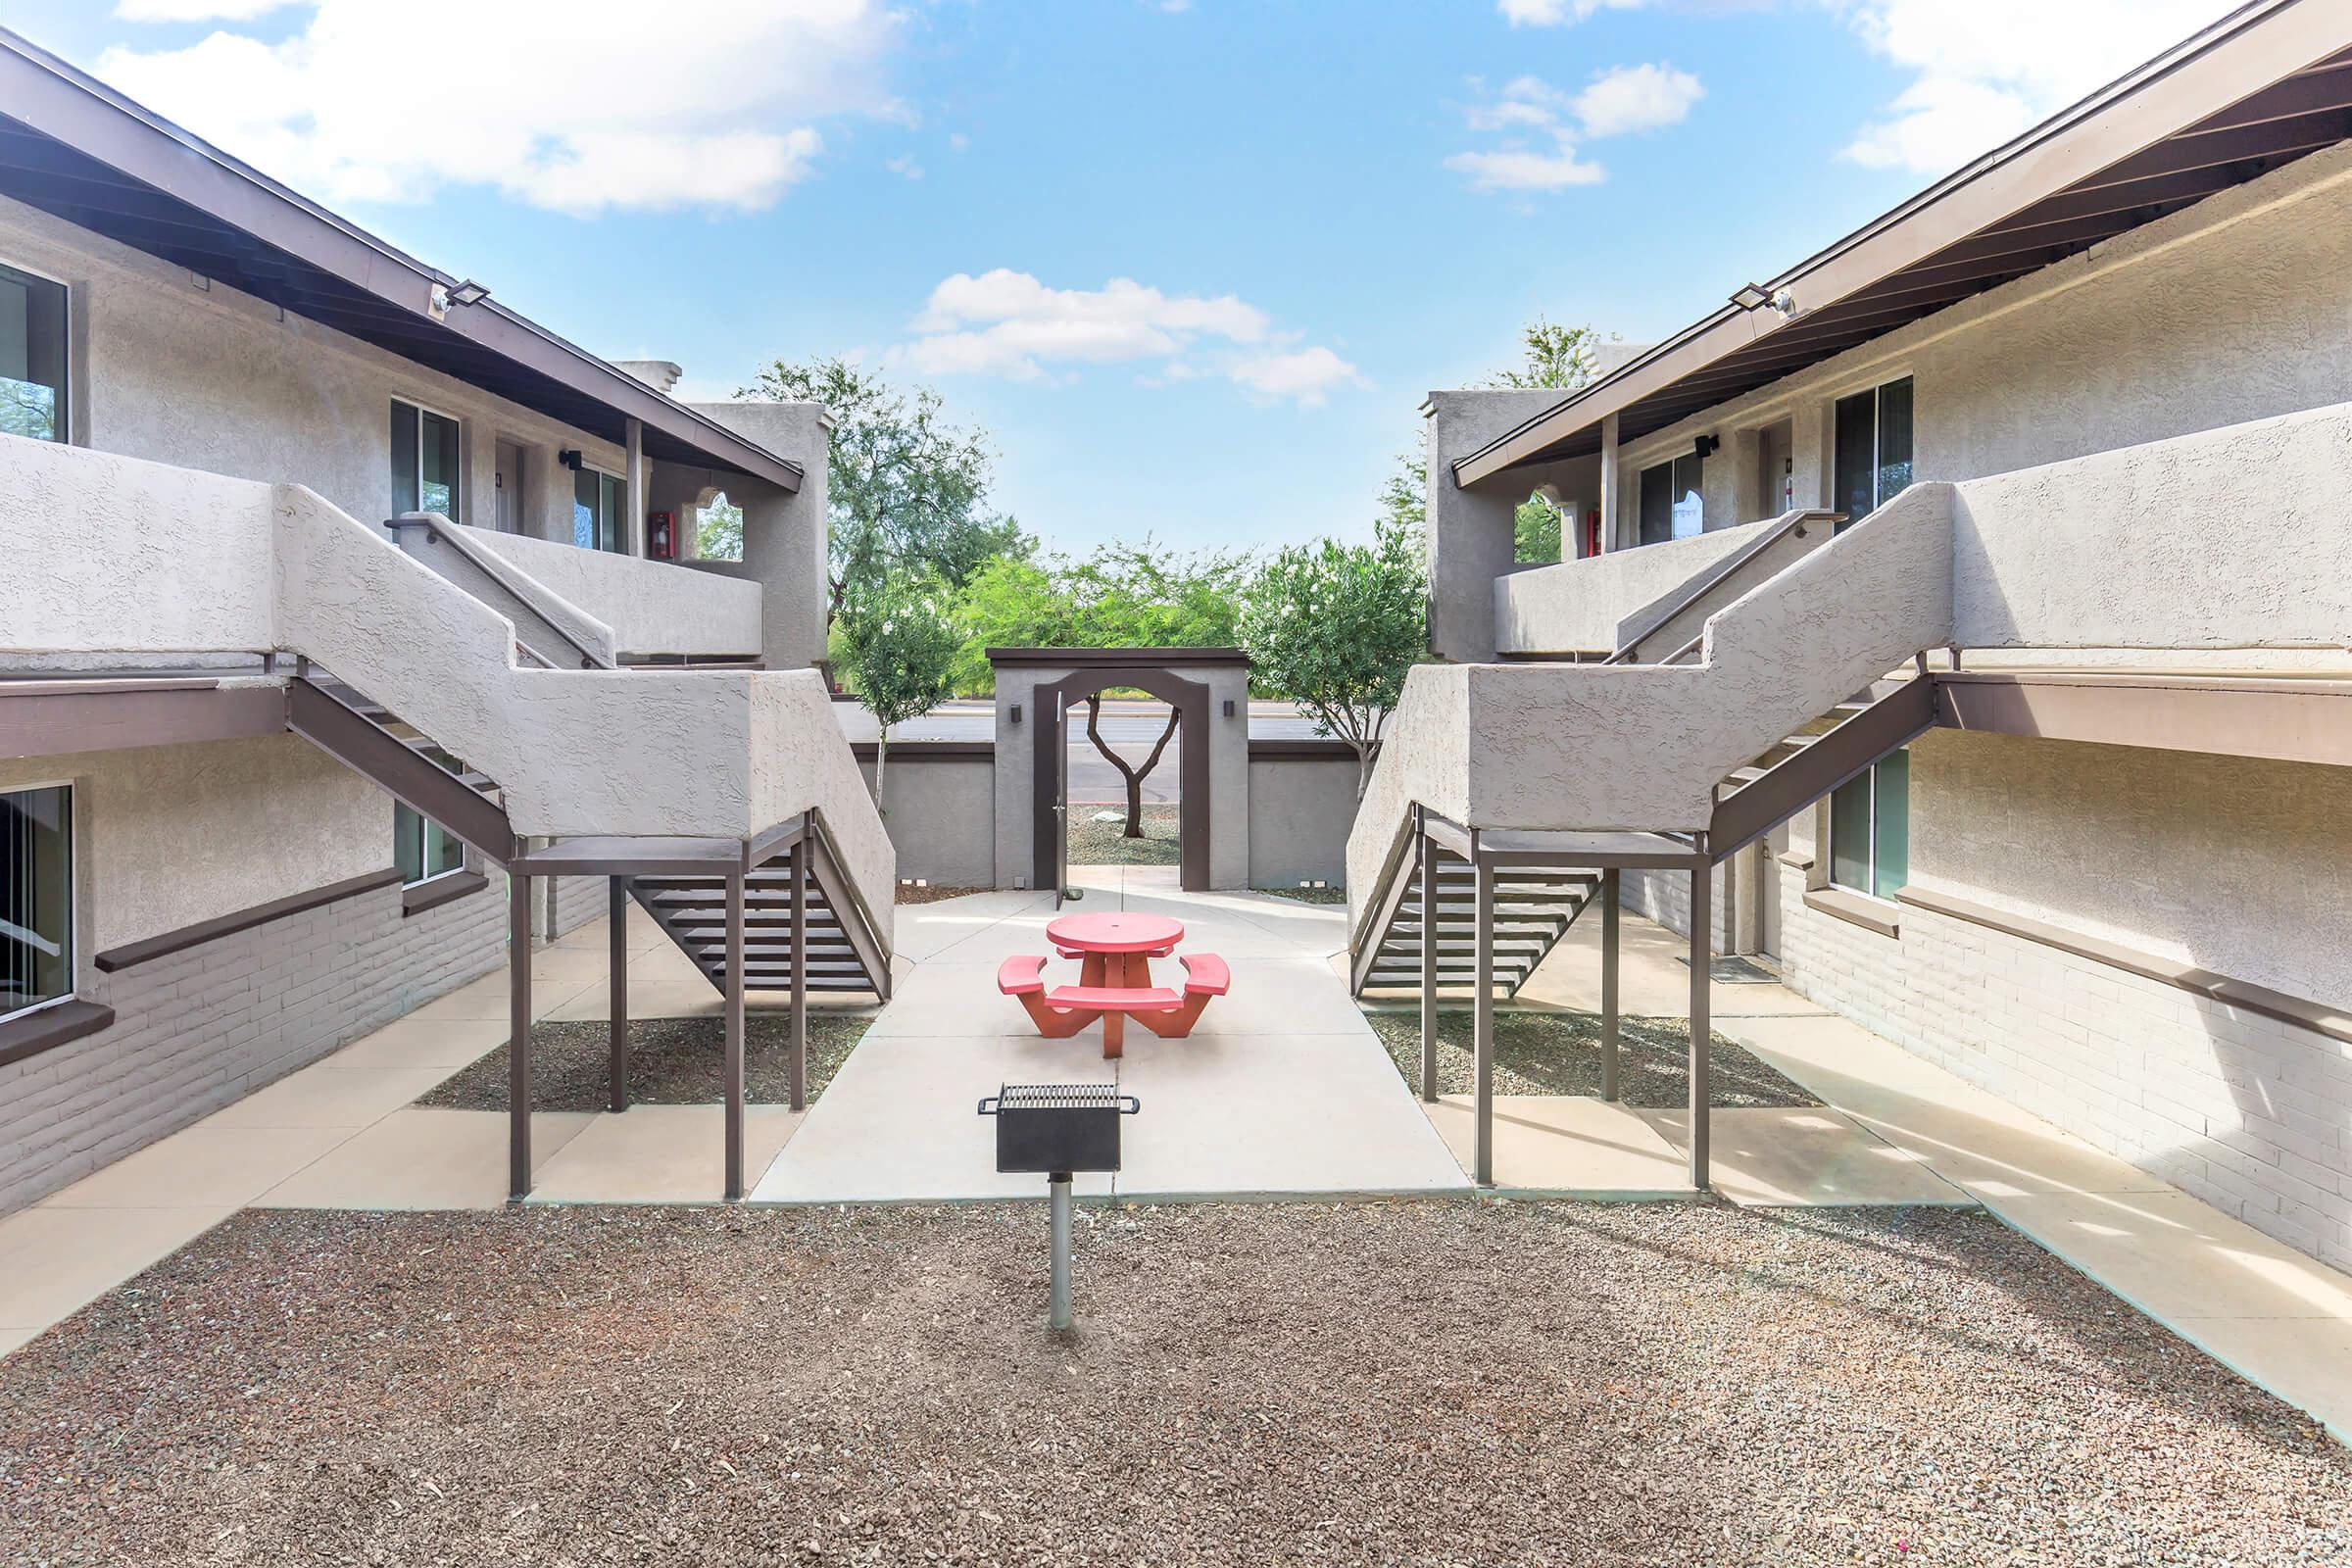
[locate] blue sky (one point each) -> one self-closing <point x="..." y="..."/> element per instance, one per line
<point x="1320" y="211"/>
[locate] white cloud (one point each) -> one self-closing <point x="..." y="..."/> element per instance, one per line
<point x="1540" y="126"/>
<point x="369" y="102"/>
<point x="1009" y="324"/>
<point x="1630" y="98"/>
<point x="196" y="10"/>
<point x="1527" y="169"/>
<point x="904" y="166"/>
<point x="1304" y="376"/>
<point x="1555" y="13"/>
<point x="1985" y="71"/>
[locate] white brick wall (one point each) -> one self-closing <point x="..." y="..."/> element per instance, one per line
<point x="2250" y="1114"/>
<point x="194" y="1031"/>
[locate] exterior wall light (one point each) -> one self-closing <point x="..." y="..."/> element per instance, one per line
<point x="1228" y="708"/>
<point x="1016" y="712"/>
<point x="469" y="293"/>
<point x="1752" y="298"/>
<point x="569" y="457"/>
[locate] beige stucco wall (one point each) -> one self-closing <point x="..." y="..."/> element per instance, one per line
<point x="2236" y="864"/>
<point x="2234" y="309"/>
<point x="213" y="379"/>
<point x="165" y="836"/>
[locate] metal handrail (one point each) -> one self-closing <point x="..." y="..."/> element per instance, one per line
<point x="583" y="635"/>
<point x="1707" y="581"/>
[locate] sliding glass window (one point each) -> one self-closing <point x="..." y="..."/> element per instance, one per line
<point x="36" y="898"/>
<point x="33" y="355"/>
<point x="426" y="449"/>
<point x="1873" y="462"/>
<point x="600" y="508"/>
<point x="1869" y="829"/>
<point x="423" y="848"/>
<point x="1673" y="502"/>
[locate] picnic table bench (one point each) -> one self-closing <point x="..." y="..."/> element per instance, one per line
<point x="1114" y="979"/>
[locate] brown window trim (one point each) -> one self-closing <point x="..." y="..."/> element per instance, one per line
<point x="1855" y="908"/>
<point x="50" y="1027"/>
<point x="448" y="889"/>
<point x="132" y="954"/>
<point x="2301" y="1011"/>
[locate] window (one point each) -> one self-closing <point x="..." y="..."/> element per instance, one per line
<point x="36" y="898"/>
<point x="1869" y="829"/>
<point x="600" y="506"/>
<point x="1672" y="506"/>
<point x="1874" y="450"/>
<point x="423" y="848"/>
<point x="424" y="461"/>
<point x="33" y="355"/>
<point x="719" y="530"/>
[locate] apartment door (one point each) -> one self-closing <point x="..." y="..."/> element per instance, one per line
<point x="506" y="484"/>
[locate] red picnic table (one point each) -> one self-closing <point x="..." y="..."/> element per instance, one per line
<point x="1114" y="979"/>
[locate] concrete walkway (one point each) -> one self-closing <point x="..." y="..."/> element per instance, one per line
<point x="1281" y="1087"/>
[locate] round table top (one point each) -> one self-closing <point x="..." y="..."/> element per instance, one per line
<point x="1116" y="933"/>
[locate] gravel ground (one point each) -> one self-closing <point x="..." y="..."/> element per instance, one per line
<point x="1093" y="843"/>
<point x="672" y="1061"/>
<point x="1309" y="894"/>
<point x="1422" y="1383"/>
<point x="1559" y="1053"/>
<point x="931" y="894"/>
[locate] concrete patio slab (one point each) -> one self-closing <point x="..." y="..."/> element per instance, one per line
<point x="1565" y="1144"/>
<point x="1805" y="1158"/>
<point x="2306" y="1361"/>
<point x="2174" y="1257"/>
<point x="662" y="1154"/>
<point x="901" y="1121"/>
<point x="641" y="934"/>
<point x="423" y="1158"/>
<point x="200" y="1167"/>
<point x="1652" y="978"/>
<point x="1274" y="1113"/>
<point x="960" y="1000"/>
<point x="54" y="1260"/>
<point x="1985" y="1145"/>
<point x="329" y="1095"/>
<point x="413" y="1042"/>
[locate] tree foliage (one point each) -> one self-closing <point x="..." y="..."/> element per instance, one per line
<point x="1335" y="627"/>
<point x="719" y="530"/>
<point x="908" y="491"/>
<point x="1557" y="357"/>
<point x="1120" y="596"/>
<point x="898" y="641"/>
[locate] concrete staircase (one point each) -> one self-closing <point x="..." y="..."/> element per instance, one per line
<point x="1533" y="907"/>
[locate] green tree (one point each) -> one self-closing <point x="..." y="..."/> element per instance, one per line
<point x="1555" y="357"/>
<point x="719" y="530"/>
<point x="1335" y="627"/>
<point x="907" y="491"/>
<point x="1562" y="358"/>
<point x="898" y="641"/>
<point x="1119" y="596"/>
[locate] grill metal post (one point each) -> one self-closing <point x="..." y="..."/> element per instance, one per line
<point x="1060" y="1203"/>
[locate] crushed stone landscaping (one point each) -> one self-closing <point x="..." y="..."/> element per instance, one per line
<point x="1425" y="1383"/>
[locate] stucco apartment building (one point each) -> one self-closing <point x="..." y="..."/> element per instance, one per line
<point x="219" y="857"/>
<point x="1973" y="600"/>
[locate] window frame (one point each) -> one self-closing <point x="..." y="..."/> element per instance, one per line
<point x="448" y="765"/>
<point x="1827" y="849"/>
<point x="68" y="391"/>
<point x="1671" y="467"/>
<point x="1876" y="387"/>
<point x="619" y="525"/>
<point x="456" y="490"/>
<point x="73" y="937"/>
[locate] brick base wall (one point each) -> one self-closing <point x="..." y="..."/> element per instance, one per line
<point x="1665" y="896"/>
<point x="199" y="1029"/>
<point x="2250" y="1114"/>
<point x="578" y="901"/>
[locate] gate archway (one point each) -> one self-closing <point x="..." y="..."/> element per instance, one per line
<point x="1207" y="687"/>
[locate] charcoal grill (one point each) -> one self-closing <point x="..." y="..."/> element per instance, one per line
<point x="1057" y="1130"/>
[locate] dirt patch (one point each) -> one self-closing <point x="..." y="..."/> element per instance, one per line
<point x="672" y="1061"/>
<point x="1559" y="1053"/>
<point x="1308" y="895"/>
<point x="1429" y="1383"/>
<point x="909" y="893"/>
<point x="1093" y="843"/>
